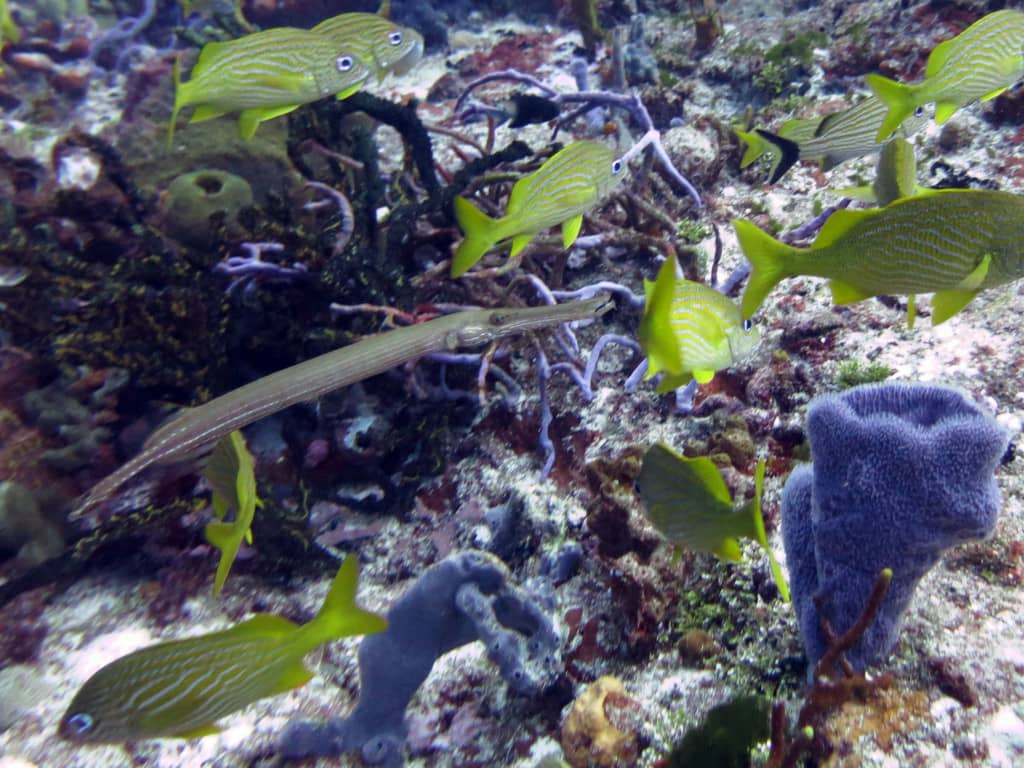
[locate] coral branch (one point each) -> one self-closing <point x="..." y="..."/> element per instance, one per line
<point x="348" y="221"/>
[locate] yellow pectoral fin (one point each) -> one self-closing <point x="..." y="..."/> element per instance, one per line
<point x="974" y="280"/>
<point x="911" y="311"/>
<point x="204" y="112"/>
<point x="729" y="549"/>
<point x="945" y="110"/>
<point x="992" y="94"/>
<point x="945" y="304"/>
<point x="250" y="119"/>
<point x="844" y="293"/>
<point x="348" y="91"/>
<point x="703" y="377"/>
<point x="571" y="230"/>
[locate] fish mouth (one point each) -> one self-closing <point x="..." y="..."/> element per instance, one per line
<point x="411" y="57"/>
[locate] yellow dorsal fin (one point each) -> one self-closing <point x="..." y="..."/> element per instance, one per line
<point x="938" y="57"/>
<point x="519" y="191"/>
<point x="838" y="224"/>
<point x="209" y="54"/>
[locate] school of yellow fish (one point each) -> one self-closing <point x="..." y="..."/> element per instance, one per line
<point x="951" y="243"/>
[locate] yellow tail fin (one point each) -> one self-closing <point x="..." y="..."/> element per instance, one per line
<point x="767" y="257"/>
<point x="898" y="97"/>
<point x="340" y="616"/>
<point x="479" y="230"/>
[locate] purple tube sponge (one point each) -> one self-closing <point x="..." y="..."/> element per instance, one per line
<point x="900" y="473"/>
<point x="466" y="597"/>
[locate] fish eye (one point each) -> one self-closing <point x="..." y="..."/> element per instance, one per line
<point x="616" y="167"/>
<point x="747" y="325"/>
<point x="344" y="63"/>
<point x="919" y="112"/>
<point x="395" y="38"/>
<point x="80" y="723"/>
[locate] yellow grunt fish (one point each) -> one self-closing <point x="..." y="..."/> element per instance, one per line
<point x="690" y="330"/>
<point x="265" y="75"/>
<point x="688" y="502"/>
<point x="8" y="29"/>
<point x="382" y="44"/>
<point x="232" y="476"/>
<point x="978" y="64"/>
<point x="953" y="242"/>
<point x="567" y="185"/>
<point x="181" y="688"/>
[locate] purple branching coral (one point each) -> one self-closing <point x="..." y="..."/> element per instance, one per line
<point x="251" y="270"/>
<point x="347" y="223"/>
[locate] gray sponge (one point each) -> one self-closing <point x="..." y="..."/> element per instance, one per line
<point x="463" y="598"/>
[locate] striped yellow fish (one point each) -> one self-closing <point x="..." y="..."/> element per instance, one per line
<point x="690" y="505"/>
<point x="232" y="476"/>
<point x="953" y="242"/>
<point x="838" y="137"/>
<point x="265" y="75"/>
<point x="8" y="29"/>
<point x="179" y="689"/>
<point x="978" y="64"/>
<point x="382" y="44"/>
<point x="567" y="185"/>
<point x="690" y="330"/>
